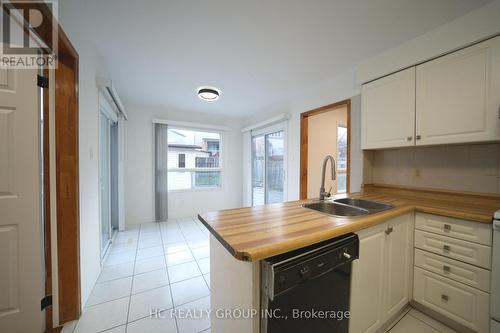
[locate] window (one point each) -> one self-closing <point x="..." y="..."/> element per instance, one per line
<point x="268" y="168"/>
<point x="182" y="160"/>
<point x="341" y="159"/>
<point x="194" y="159"/>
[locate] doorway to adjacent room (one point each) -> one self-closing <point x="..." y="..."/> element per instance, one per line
<point x="325" y="131"/>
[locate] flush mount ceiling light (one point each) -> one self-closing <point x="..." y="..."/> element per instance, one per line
<point x="209" y="94"/>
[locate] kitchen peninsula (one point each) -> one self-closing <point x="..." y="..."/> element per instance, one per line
<point x="241" y="238"/>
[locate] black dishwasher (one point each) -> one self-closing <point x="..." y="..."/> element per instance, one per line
<point x="307" y="290"/>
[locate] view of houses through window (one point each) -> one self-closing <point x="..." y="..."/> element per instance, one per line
<point x="193" y="159"/>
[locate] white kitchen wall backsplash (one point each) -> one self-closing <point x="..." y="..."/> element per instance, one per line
<point x="463" y="167"/>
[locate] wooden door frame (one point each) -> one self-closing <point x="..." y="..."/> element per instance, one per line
<point x="67" y="174"/>
<point x="304" y="142"/>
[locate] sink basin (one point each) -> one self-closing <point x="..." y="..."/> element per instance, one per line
<point x="332" y="208"/>
<point x="371" y="206"/>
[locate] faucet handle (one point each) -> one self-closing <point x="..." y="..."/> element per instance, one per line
<point x="329" y="193"/>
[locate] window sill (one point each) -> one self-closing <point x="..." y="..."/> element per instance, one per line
<point x="200" y="189"/>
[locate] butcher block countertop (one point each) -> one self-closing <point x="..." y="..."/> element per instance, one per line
<point x="260" y="232"/>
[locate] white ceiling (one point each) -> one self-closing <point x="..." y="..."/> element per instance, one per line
<point x="258" y="52"/>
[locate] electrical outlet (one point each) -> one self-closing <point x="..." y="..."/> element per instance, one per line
<point x="417" y="173"/>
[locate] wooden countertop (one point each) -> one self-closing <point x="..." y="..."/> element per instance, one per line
<point x="256" y="233"/>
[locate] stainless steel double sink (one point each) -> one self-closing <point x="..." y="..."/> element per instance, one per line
<point x="348" y="207"/>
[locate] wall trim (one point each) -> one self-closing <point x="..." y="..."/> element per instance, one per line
<point x="276" y="119"/>
<point x="189" y="124"/>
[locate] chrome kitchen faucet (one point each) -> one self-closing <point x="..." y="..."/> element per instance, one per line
<point x="322" y="193"/>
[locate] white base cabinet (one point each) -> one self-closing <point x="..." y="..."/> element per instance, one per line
<point x="381" y="277"/>
<point x="452" y="272"/>
<point x="458" y="302"/>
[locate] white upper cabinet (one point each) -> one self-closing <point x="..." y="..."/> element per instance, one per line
<point x="388" y="111"/>
<point x="451" y="99"/>
<point x="458" y="96"/>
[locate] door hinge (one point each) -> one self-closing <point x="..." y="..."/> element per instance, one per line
<point x="46" y="302"/>
<point x="42" y="81"/>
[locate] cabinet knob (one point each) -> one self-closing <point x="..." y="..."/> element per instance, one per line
<point x="418" y="137"/>
<point x="447" y="227"/>
<point x="388" y="230"/>
<point x="444" y="298"/>
<point x="409" y="138"/>
<point x="446" y="247"/>
<point x="446" y="269"/>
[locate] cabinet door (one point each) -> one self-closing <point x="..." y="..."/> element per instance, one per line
<point x="463" y="304"/>
<point x="457" y="96"/>
<point x="367" y="284"/>
<point x="388" y="111"/>
<point x="399" y="263"/>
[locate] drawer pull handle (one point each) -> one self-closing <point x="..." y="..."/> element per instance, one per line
<point x="446" y="269"/>
<point x="444" y="298"/>
<point x="388" y="230"/>
<point x="446" y="248"/>
<point x="447" y="227"/>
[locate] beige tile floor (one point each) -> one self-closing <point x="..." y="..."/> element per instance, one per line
<point x="414" y="321"/>
<point x="162" y="266"/>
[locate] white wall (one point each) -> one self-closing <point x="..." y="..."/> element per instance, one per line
<point x="139" y="158"/>
<point x="90" y="265"/>
<point x="479" y="24"/>
<point x="342" y="87"/>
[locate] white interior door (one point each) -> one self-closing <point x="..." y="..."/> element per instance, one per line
<point x="21" y="255"/>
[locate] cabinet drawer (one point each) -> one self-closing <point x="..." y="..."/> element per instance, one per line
<point x="456" y="270"/>
<point x="457" y="228"/>
<point x="472" y="253"/>
<point x="465" y="305"/>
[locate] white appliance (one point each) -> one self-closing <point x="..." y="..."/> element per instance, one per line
<point x="495" y="276"/>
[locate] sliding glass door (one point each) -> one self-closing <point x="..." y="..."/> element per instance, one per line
<point x="105" y="181"/>
<point x="268" y="168"/>
<point x="108" y="179"/>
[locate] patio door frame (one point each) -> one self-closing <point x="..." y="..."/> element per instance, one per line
<point x="112" y="121"/>
<point x="281" y="126"/>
